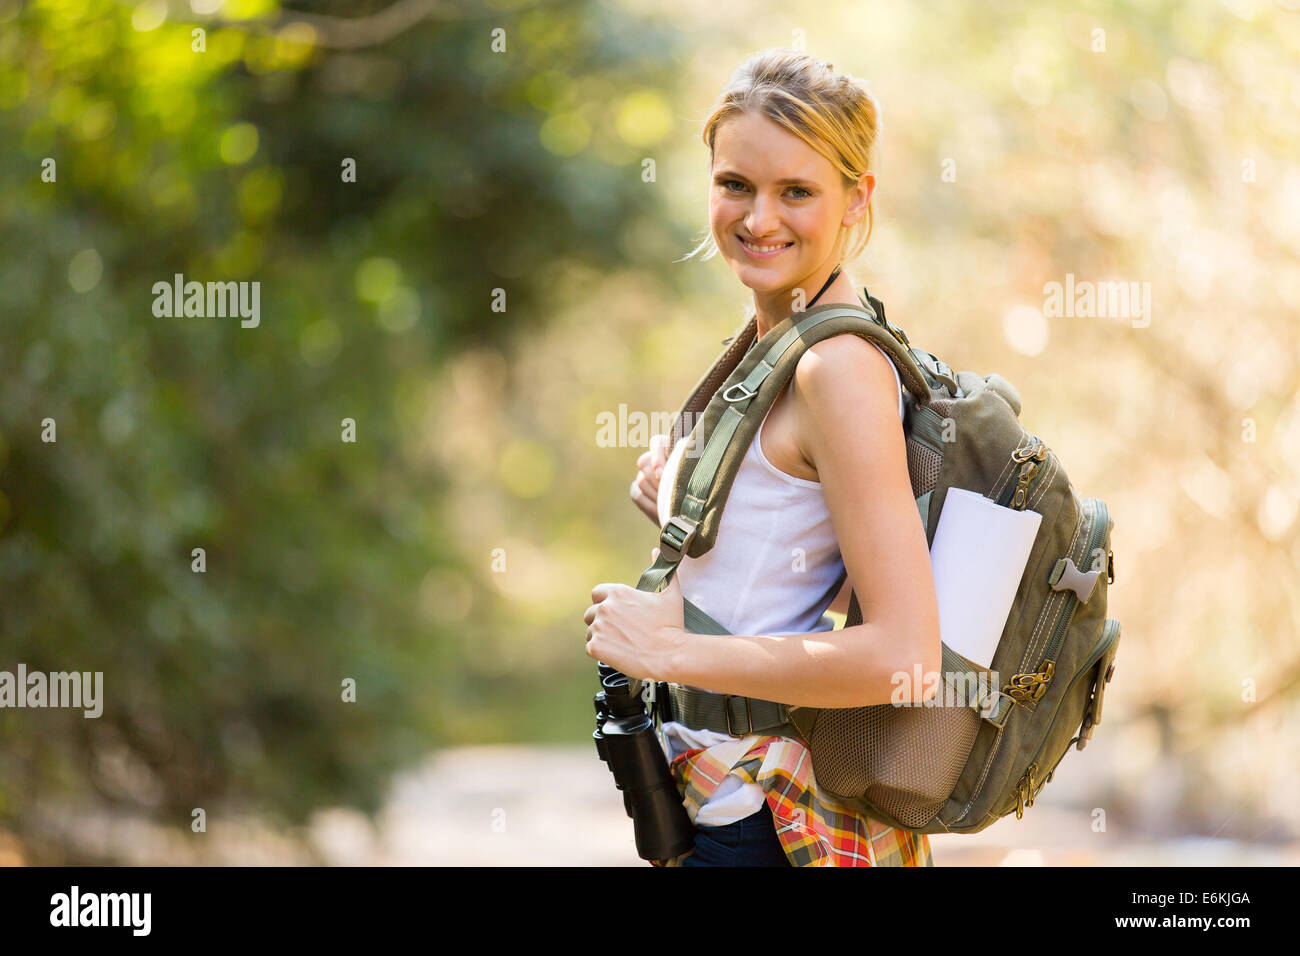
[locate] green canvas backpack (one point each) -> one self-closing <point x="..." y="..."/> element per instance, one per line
<point x="930" y="769"/>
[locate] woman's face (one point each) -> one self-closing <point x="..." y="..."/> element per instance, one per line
<point x="776" y="205"/>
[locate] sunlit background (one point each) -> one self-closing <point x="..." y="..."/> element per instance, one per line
<point x="443" y="560"/>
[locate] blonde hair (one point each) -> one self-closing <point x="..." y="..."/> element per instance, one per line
<point x="831" y="112"/>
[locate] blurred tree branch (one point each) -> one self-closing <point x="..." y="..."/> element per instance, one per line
<point x="347" y="33"/>
<point x="340" y="33"/>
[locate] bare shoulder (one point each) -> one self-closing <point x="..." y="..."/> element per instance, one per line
<point x="843" y="355"/>
<point x="844" y="375"/>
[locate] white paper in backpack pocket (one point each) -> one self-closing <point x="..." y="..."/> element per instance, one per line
<point x="978" y="557"/>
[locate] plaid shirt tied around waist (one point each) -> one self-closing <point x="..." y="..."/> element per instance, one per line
<point x="814" y="828"/>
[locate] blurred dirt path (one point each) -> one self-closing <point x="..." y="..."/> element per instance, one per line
<point x="557" y="805"/>
<point x="539" y="805"/>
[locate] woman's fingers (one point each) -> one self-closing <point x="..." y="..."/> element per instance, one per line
<point x="648" y="483"/>
<point x="650" y="469"/>
<point x="659" y="449"/>
<point x="648" y="507"/>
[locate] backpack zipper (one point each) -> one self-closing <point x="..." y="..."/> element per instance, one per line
<point x="1030" y="456"/>
<point x="1100" y="519"/>
<point x="1025" y="785"/>
<point x="1026" y="792"/>
<point x="1031" y="459"/>
<point x="1028" y="687"/>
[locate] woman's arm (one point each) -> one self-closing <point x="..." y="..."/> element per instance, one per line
<point x="850" y="667"/>
<point x="846" y="403"/>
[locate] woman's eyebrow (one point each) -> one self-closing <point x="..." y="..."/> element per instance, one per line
<point x="732" y="174"/>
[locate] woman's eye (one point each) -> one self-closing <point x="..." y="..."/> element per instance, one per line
<point x="728" y="183"/>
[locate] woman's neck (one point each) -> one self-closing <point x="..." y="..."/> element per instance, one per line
<point x="774" y="308"/>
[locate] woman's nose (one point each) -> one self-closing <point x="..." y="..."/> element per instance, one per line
<point x="761" y="219"/>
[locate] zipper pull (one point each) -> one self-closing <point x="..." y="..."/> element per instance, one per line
<point x="1036" y="450"/>
<point x="1027" y="688"/>
<point x="1030" y="455"/>
<point x="1025" y="786"/>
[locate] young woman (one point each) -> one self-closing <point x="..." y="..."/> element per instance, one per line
<point x="823" y="490"/>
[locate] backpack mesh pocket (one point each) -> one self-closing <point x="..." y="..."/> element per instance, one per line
<point x="905" y="760"/>
<point x="923" y="462"/>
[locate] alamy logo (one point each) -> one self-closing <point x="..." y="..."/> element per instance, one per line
<point x="951" y="689"/>
<point x="56" y="689"/>
<point x="213" y="300"/>
<point x="634" y="429"/>
<point x="102" y="909"/>
<point x="1116" y="300"/>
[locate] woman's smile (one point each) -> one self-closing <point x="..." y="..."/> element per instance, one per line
<point x="763" y="250"/>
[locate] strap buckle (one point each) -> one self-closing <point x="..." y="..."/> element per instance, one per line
<point x="899" y="335"/>
<point x="677" y="534"/>
<point x="726" y="709"/>
<point x="877" y="310"/>
<point x="745" y="392"/>
<point x="1092" y="711"/>
<point x="989" y="704"/>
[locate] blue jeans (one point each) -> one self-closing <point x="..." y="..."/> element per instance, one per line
<point x="748" y="842"/>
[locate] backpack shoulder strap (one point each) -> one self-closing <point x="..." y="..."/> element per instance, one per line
<point x="698" y="397"/>
<point x="736" y="410"/>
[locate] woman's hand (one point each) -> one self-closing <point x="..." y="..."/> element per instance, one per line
<point x="636" y="631"/>
<point x="645" y="489"/>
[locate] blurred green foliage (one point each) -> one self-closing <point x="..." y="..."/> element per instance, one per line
<point x="223" y="689"/>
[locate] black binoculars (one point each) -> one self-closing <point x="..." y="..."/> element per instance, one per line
<point x="626" y="740"/>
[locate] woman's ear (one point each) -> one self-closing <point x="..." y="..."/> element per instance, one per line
<point x="859" y="199"/>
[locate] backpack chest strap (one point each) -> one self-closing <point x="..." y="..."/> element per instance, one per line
<point x="723" y="713"/>
<point x="700" y="709"/>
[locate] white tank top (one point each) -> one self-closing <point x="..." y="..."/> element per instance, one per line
<point x="773" y="569"/>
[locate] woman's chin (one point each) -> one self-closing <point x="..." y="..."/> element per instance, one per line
<point x="762" y="276"/>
